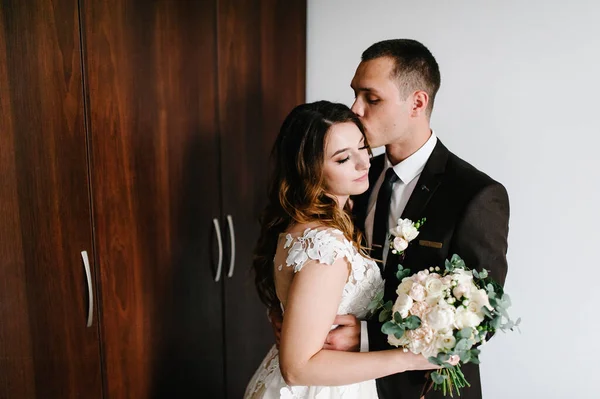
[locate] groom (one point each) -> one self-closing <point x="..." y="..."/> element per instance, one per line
<point x="467" y="212"/>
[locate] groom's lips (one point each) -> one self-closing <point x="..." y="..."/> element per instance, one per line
<point x="363" y="177"/>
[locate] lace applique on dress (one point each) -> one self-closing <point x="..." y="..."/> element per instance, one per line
<point x="325" y="246"/>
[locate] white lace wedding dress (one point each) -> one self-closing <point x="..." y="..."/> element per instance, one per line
<point x="364" y="282"/>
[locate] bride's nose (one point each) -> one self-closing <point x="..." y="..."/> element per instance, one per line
<point x="363" y="164"/>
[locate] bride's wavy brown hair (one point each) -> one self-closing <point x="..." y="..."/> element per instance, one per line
<point x="296" y="193"/>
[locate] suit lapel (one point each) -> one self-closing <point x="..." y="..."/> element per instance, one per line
<point x="427" y="184"/>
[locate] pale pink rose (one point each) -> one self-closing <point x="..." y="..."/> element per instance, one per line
<point x="419" y="338"/>
<point x="420" y="309"/>
<point x="431" y="349"/>
<point x="417" y="292"/>
<point x="421" y="276"/>
<point x="447" y="280"/>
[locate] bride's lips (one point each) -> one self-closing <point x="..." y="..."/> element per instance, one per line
<point x="363" y="177"/>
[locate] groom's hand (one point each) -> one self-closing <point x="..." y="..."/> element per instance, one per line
<point x="276" y="319"/>
<point x="345" y="337"/>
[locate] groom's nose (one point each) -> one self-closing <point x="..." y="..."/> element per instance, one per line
<point x="357" y="108"/>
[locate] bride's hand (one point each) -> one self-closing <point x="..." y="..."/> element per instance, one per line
<point x="419" y="362"/>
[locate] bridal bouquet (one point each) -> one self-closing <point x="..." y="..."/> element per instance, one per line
<point x="440" y="313"/>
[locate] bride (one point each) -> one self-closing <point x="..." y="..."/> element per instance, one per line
<point x="308" y="260"/>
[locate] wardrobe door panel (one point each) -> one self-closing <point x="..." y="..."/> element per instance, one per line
<point x="46" y="348"/>
<point x="151" y="77"/>
<point x="261" y="78"/>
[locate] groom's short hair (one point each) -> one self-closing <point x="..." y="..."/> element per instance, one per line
<point x="415" y="67"/>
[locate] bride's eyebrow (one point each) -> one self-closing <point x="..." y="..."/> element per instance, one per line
<point x="362" y="139"/>
<point x="339" y="152"/>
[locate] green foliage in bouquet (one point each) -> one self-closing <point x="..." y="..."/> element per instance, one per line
<point x="449" y="378"/>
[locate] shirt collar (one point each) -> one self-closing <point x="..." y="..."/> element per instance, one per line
<point x="412" y="166"/>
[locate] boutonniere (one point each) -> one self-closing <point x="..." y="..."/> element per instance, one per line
<point x="403" y="234"/>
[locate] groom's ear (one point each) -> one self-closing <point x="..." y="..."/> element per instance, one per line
<point x="420" y="100"/>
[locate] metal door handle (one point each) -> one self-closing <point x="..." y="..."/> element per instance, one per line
<point x="232" y="243"/>
<point x="88" y="275"/>
<point x="220" y="244"/>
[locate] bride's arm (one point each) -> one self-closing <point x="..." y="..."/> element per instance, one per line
<point x="310" y="309"/>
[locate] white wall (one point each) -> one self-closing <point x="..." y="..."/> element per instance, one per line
<point x="520" y="82"/>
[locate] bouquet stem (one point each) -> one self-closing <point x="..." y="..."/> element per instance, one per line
<point x="454" y="380"/>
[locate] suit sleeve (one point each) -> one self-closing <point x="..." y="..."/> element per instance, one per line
<point x="481" y="236"/>
<point x="377" y="340"/>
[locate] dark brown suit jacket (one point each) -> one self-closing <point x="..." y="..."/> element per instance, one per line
<point x="467" y="213"/>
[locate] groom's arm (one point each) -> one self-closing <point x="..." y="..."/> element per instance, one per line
<point x="481" y="236"/>
<point x="377" y="340"/>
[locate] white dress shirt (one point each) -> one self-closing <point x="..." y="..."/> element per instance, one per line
<point x="408" y="172"/>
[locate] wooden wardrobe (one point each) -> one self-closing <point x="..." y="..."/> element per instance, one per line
<point x="134" y="144"/>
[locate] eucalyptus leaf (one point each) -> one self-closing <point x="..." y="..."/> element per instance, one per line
<point x="389" y="327"/>
<point x="384" y="315"/>
<point x="399" y="334"/>
<point x="435" y="360"/>
<point x="373" y="305"/>
<point x="465" y="333"/>
<point x="397" y="317"/>
<point x="496" y="322"/>
<point x="462" y="345"/>
<point x="438" y="378"/>
<point x="483" y="274"/>
<point x="474" y="360"/>
<point x="448" y="265"/>
<point x="412" y="322"/>
<point x="487" y="312"/>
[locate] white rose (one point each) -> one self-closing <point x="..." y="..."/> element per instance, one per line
<point x="441" y="317"/>
<point x="408" y="229"/>
<point x="480" y="297"/>
<point x="475" y="308"/>
<point x="445" y="340"/>
<point x="392" y="340"/>
<point x="461" y="290"/>
<point x="417" y="292"/>
<point x="464" y="277"/>
<point x="402" y="305"/>
<point x="405" y="229"/>
<point x="405" y="286"/>
<point x="466" y="318"/>
<point x="434" y="287"/>
<point x="400" y="244"/>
